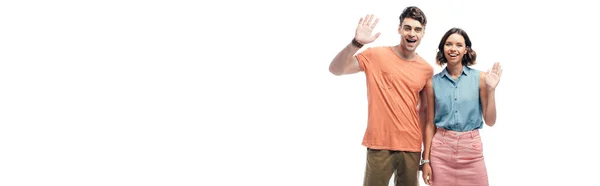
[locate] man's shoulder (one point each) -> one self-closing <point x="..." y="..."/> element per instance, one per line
<point x="424" y="62"/>
<point x="377" y="49"/>
<point x="375" y="54"/>
<point x="425" y="65"/>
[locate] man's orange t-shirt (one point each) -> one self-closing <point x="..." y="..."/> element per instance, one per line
<point x="393" y="86"/>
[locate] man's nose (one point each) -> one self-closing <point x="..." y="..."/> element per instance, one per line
<point x="412" y="33"/>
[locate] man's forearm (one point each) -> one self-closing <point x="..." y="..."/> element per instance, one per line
<point x="343" y="59"/>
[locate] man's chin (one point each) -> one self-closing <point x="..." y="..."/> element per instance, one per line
<point x="410" y="46"/>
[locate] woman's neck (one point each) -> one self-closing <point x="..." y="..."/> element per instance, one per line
<point x="454" y="70"/>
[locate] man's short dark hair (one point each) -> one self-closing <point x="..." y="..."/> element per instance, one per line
<point x="414" y="13"/>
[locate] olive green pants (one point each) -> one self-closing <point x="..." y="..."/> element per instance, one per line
<point x="382" y="164"/>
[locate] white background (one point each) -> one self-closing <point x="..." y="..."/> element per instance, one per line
<point x="238" y="93"/>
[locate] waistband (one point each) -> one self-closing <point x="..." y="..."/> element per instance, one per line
<point x="455" y="134"/>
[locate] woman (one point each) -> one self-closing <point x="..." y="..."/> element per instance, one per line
<point x="464" y="100"/>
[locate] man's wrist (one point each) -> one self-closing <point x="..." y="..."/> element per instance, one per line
<point x="356" y="43"/>
<point x="424" y="161"/>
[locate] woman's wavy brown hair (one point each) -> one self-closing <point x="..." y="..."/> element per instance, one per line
<point x="468" y="59"/>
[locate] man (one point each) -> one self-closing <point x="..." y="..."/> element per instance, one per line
<point x="398" y="80"/>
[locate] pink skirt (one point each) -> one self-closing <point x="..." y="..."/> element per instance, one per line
<point x="457" y="159"/>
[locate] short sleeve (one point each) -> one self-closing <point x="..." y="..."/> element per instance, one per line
<point x="363" y="58"/>
<point x="429" y="69"/>
<point x="431" y="74"/>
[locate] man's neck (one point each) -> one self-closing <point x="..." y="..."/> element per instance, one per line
<point x="405" y="54"/>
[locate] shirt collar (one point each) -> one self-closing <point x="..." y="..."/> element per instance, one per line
<point x="465" y="71"/>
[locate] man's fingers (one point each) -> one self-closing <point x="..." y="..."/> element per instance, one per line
<point x="499" y="69"/>
<point x="376" y="35"/>
<point x="496" y="66"/>
<point x="369" y="19"/>
<point x="375" y="23"/>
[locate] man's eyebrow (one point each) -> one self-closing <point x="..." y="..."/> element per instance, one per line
<point x="408" y="26"/>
